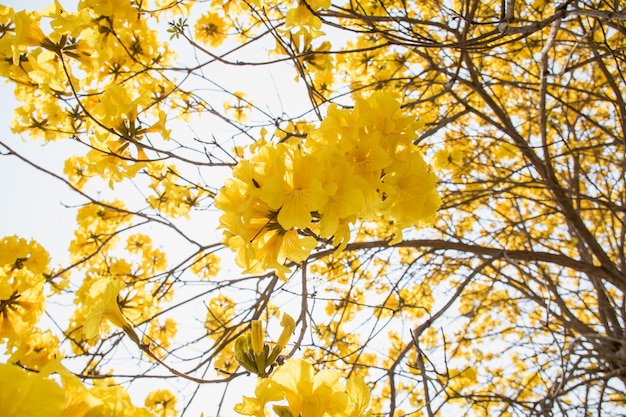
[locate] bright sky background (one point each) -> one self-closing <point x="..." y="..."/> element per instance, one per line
<point x="32" y="203"/>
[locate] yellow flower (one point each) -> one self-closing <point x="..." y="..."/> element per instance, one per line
<point x="22" y="268"/>
<point x="266" y="391"/>
<point x="211" y="29"/>
<point x="309" y="394"/>
<point x="102" y="304"/>
<point x="115" y="402"/>
<point x="46" y="71"/>
<point x="77" y="171"/>
<point x="28" y="394"/>
<point x="27" y="33"/>
<point x="163" y="333"/>
<point x="448" y="158"/>
<point x="18" y="254"/>
<point x="67" y="23"/>
<point x="298" y="192"/>
<point x="240" y="108"/>
<point x="300" y="16"/>
<point x="411" y="195"/>
<point x="271" y="193"/>
<point x="162" y="402"/>
<point x="36" y="349"/>
<point x="289" y="325"/>
<point x="206" y="265"/>
<point x="273" y="249"/>
<point x="224" y="362"/>
<point x="348" y="198"/>
<point x="219" y="314"/>
<point x="359" y="396"/>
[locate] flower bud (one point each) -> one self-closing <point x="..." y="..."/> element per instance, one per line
<point x="289" y="325"/>
<point x="256" y="331"/>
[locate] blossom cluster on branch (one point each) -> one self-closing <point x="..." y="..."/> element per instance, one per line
<point x="361" y="163"/>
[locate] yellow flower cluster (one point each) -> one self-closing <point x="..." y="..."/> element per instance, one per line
<point x="307" y="393"/>
<point x="171" y="195"/>
<point x="89" y="51"/>
<point x="97" y="227"/>
<point x="35" y="349"/>
<point x="359" y="164"/>
<point x="160" y="335"/>
<point x="211" y="29"/>
<point x="162" y="402"/>
<point x="23" y="266"/>
<point x="23" y="274"/>
<point x="302" y="24"/>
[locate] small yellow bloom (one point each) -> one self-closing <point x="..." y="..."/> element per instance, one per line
<point x="448" y="158"/>
<point x="162" y="402"/>
<point x="206" y="265"/>
<point x="240" y="108"/>
<point x="211" y="29"/>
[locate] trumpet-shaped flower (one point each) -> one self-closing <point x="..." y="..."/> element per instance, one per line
<point x="298" y="192"/>
<point x="27" y="33"/>
<point x="307" y="393"/>
<point x="103" y="305"/>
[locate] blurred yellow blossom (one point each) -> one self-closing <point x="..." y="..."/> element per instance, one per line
<point x="211" y="29"/>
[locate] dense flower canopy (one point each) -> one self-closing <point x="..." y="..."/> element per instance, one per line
<point x="315" y="209"/>
<point x="358" y="164"/>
